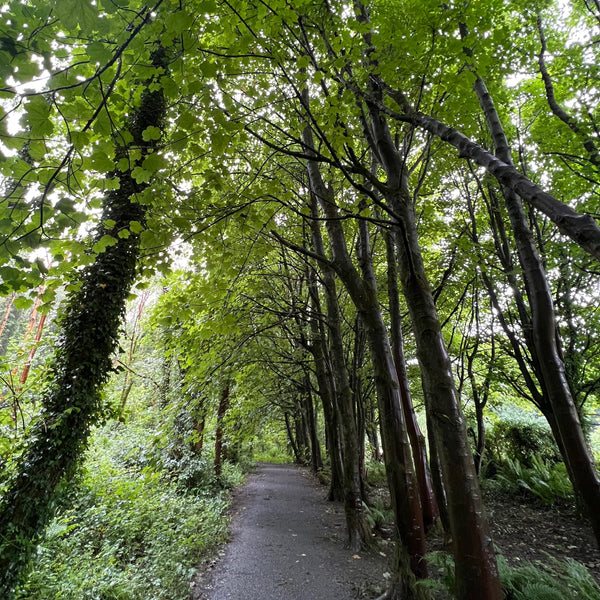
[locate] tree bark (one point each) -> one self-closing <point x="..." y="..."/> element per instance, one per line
<point x="220" y="430"/>
<point x="359" y="533"/>
<point x="319" y="352"/>
<point x="9" y="306"/>
<point x="417" y="439"/>
<point x="476" y="568"/>
<point x="582" y="229"/>
<point x="396" y="449"/>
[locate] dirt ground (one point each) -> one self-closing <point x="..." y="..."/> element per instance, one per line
<point x="524" y="530"/>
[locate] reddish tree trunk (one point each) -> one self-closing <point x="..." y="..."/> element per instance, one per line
<point x="9" y="306"/>
<point x="476" y="568"/>
<point x="33" y="350"/>
<point x="552" y="369"/>
<point x="417" y="439"/>
<point x="359" y="532"/>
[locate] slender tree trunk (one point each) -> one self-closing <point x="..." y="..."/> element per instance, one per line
<point x="221" y="412"/>
<point x="9" y="306"/>
<point x="318" y="349"/>
<point x="33" y="350"/>
<point x="82" y="363"/>
<point x="316" y="461"/>
<point x="476" y="568"/>
<point x="401" y="480"/>
<point x="417" y="439"/>
<point x="577" y="128"/>
<point x="359" y="532"/>
<point x="291" y="437"/>
<point x="581" y="228"/>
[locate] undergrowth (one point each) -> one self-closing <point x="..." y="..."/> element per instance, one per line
<point x="544" y="480"/>
<point x="550" y="580"/>
<point x="130" y="530"/>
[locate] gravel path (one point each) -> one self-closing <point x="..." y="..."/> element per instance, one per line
<point x="287" y="542"/>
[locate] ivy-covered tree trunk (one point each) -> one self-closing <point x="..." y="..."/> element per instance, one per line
<point x="82" y="362"/>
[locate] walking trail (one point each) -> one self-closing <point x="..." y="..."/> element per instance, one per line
<point x="287" y="542"/>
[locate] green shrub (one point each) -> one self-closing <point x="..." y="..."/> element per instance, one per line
<point x="128" y="533"/>
<point x="519" y="435"/>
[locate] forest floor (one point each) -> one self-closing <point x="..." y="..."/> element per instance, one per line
<point x="287" y="542"/>
<point x="526" y="531"/>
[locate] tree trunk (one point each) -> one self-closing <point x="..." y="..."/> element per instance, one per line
<point x="83" y="360"/>
<point x="219" y="433"/>
<point x="417" y="439"/>
<point x="316" y="462"/>
<point x="476" y="568"/>
<point x="359" y="532"/>
<point x="396" y="449"/>
<point x="319" y="351"/>
<point x="581" y="228"/>
<point x="9" y="306"/>
<point x="545" y="334"/>
<point x="402" y="481"/>
<point x="33" y="350"/>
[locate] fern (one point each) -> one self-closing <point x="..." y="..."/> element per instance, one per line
<point x="553" y="580"/>
<point x="539" y="591"/>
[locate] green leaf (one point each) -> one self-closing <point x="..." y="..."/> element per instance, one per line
<point x="38" y="117"/>
<point x="136" y="227"/>
<point x="177" y="22"/>
<point x="103" y="243"/>
<point x="23" y="303"/>
<point x="208" y="69"/>
<point x="141" y="175"/>
<point x="151" y="133"/>
<point x="74" y="13"/>
<point x="153" y="162"/>
<point x="98" y="52"/>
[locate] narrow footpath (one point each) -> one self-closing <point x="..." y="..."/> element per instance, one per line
<point x="287" y="543"/>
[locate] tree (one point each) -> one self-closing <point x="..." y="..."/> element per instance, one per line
<point x="83" y="361"/>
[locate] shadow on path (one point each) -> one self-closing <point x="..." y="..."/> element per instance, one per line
<point x="287" y="542"/>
